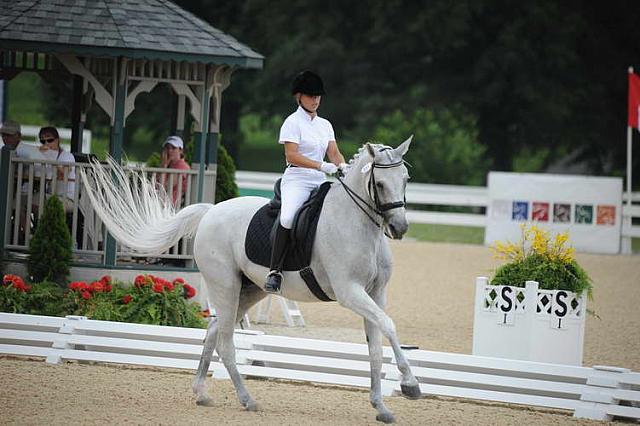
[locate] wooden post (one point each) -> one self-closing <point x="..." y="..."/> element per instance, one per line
<point x="117" y="139"/>
<point x="77" y="121"/>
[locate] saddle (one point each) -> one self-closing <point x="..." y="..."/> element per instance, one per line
<point x="261" y="231"/>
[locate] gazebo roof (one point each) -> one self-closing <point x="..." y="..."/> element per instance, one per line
<point x="137" y="29"/>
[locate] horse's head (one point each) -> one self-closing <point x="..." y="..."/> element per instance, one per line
<point x="385" y="179"/>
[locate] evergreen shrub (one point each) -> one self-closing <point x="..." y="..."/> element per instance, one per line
<point x="50" y="247"/>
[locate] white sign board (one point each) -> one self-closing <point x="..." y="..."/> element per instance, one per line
<point x="590" y="208"/>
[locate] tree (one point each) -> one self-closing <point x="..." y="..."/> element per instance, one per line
<point x="445" y="148"/>
<point x="50" y="247"/>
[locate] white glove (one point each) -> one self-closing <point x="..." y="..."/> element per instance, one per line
<point x="343" y="166"/>
<point x="328" y="168"/>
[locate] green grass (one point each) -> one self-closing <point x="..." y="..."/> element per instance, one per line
<point x="446" y="233"/>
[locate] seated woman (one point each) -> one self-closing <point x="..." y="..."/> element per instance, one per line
<point x="173" y="158"/>
<point x="52" y="150"/>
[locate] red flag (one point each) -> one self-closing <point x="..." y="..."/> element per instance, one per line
<point x="634" y="100"/>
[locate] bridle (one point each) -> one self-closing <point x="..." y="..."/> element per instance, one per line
<point x="377" y="208"/>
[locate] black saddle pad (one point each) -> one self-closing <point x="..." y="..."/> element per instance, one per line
<point x="258" y="241"/>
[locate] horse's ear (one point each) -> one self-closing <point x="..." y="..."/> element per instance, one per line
<point x="404" y="147"/>
<point x="372" y="151"/>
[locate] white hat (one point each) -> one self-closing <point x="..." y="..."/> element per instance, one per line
<point x="175" y="141"/>
<point x="10" y="128"/>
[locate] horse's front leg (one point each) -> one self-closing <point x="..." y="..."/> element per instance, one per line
<point x="374" y="340"/>
<point x="356" y="298"/>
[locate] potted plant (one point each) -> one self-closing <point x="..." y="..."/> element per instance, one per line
<point x="534" y="308"/>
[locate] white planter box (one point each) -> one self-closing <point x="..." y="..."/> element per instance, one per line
<point x="528" y="324"/>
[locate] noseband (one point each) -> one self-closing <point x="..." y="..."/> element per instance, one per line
<point x="377" y="208"/>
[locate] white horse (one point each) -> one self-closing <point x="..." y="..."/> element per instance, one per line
<point x="351" y="255"/>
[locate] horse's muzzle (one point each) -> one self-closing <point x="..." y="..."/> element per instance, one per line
<point x="397" y="228"/>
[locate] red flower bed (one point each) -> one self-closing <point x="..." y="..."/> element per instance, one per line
<point x="150" y="300"/>
<point x="16" y="282"/>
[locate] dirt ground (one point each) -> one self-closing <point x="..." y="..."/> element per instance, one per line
<point x="431" y="301"/>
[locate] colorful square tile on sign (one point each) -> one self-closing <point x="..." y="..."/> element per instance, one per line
<point x="540" y="211"/>
<point x="606" y="215"/>
<point x="520" y="210"/>
<point x="562" y="213"/>
<point x="501" y="209"/>
<point x="583" y="214"/>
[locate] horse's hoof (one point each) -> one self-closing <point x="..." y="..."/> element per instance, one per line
<point x="386" y="418"/>
<point x="411" y="392"/>
<point x="251" y="406"/>
<point x="204" y="401"/>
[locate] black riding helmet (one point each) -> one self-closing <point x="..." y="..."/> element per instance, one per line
<point x="308" y="83"/>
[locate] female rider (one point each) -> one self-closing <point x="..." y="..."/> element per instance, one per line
<point x="307" y="138"/>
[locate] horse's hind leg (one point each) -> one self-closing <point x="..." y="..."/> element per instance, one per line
<point x="249" y="296"/>
<point x="199" y="386"/>
<point x="227" y="302"/>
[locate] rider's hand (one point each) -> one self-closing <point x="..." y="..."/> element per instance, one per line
<point x="328" y="168"/>
<point x="343" y="167"/>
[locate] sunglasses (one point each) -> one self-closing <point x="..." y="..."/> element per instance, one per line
<point x="48" y="140"/>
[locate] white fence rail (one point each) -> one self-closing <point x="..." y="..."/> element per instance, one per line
<point x="475" y="197"/>
<point x="597" y="393"/>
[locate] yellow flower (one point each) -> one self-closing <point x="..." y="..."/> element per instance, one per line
<point x="507" y="251"/>
<point x="537" y="241"/>
<point x="540" y="243"/>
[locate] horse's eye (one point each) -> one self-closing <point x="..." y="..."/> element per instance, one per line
<point x="379" y="186"/>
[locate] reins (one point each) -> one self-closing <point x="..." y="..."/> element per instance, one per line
<point x="376" y="208"/>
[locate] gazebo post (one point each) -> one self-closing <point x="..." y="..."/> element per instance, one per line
<point x="180" y="116"/>
<point x="117" y="137"/>
<point x="201" y="136"/>
<point x="77" y="121"/>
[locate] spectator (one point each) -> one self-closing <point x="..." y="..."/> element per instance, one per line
<point x="11" y="138"/>
<point x="172" y="157"/>
<point x="52" y="150"/>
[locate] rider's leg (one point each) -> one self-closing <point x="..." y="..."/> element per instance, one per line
<point x="295" y="191"/>
<point x="278" y="254"/>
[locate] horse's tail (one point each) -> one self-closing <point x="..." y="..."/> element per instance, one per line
<point x="136" y="211"/>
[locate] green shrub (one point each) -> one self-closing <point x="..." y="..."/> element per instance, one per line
<point x="44" y="299"/>
<point x="50" y="248"/>
<point x="536" y="257"/>
<point x="226" y="186"/>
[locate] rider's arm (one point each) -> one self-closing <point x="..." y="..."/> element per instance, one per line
<point x="333" y="152"/>
<point x="297" y="159"/>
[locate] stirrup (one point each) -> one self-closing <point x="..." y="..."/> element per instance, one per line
<point x="274" y="281"/>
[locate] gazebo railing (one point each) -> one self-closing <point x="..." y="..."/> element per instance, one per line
<point x="30" y="183"/>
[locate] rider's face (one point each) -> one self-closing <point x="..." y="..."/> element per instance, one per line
<point x="310" y="103"/>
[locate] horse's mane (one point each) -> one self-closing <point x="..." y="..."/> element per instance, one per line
<point x="378" y="147"/>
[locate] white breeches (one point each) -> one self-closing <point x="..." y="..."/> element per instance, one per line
<point x="295" y="189"/>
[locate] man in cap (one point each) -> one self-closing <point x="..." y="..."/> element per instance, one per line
<point x="11" y="135"/>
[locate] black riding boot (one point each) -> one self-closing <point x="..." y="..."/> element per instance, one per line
<point x="278" y="253"/>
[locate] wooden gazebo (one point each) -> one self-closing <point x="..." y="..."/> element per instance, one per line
<point x="116" y="49"/>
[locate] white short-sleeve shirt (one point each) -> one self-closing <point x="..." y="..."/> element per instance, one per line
<point x="311" y="134"/>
